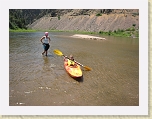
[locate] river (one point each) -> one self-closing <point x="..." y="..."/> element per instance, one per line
<point x="36" y="80"/>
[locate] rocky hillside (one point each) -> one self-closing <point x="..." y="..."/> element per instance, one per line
<point x="88" y="20"/>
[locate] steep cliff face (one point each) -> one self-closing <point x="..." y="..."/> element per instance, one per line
<point x="76" y="20"/>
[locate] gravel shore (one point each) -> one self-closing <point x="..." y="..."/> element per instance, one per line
<point x="88" y="37"/>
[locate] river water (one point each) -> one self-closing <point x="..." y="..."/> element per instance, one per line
<point x="36" y="80"/>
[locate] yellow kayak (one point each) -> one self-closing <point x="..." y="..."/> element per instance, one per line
<point x="74" y="71"/>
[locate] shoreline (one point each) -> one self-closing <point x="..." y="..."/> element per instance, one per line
<point x="118" y="33"/>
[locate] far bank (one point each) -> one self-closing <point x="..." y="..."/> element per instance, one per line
<point x="119" y="33"/>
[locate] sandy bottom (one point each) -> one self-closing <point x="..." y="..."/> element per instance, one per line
<point x="88" y="37"/>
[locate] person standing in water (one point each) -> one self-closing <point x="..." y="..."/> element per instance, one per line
<point x="45" y="40"/>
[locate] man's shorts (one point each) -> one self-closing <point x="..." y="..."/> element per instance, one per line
<point x="46" y="46"/>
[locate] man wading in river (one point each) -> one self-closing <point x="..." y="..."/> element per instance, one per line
<point x="45" y="40"/>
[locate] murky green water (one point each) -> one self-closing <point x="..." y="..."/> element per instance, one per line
<point x="36" y="80"/>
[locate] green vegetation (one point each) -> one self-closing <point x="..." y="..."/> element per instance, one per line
<point x="135" y="14"/>
<point x="134" y="25"/>
<point x="16" y="20"/>
<point x="130" y="32"/>
<point x="22" y="30"/>
<point x="98" y="14"/>
<point x="20" y="18"/>
<point x="59" y="17"/>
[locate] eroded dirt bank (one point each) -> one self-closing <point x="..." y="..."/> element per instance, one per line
<point x="91" y="23"/>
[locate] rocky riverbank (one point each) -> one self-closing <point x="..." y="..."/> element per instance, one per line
<point x="91" y="23"/>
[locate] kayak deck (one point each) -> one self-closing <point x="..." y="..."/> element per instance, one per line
<point x="73" y="71"/>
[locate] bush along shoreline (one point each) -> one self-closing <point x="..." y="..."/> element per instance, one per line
<point x="122" y="33"/>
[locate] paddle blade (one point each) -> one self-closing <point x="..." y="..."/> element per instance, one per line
<point x="58" y="52"/>
<point x="87" y="68"/>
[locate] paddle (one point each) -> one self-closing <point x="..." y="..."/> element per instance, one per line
<point x="58" y="52"/>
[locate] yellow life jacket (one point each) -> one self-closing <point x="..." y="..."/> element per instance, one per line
<point x="70" y="62"/>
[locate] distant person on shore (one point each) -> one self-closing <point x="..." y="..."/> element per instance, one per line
<point x="45" y="40"/>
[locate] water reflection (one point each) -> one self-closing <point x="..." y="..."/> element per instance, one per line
<point x="46" y="63"/>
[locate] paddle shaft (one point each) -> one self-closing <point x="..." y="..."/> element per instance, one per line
<point x="78" y="63"/>
<point x="58" y="52"/>
<point x="74" y="60"/>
